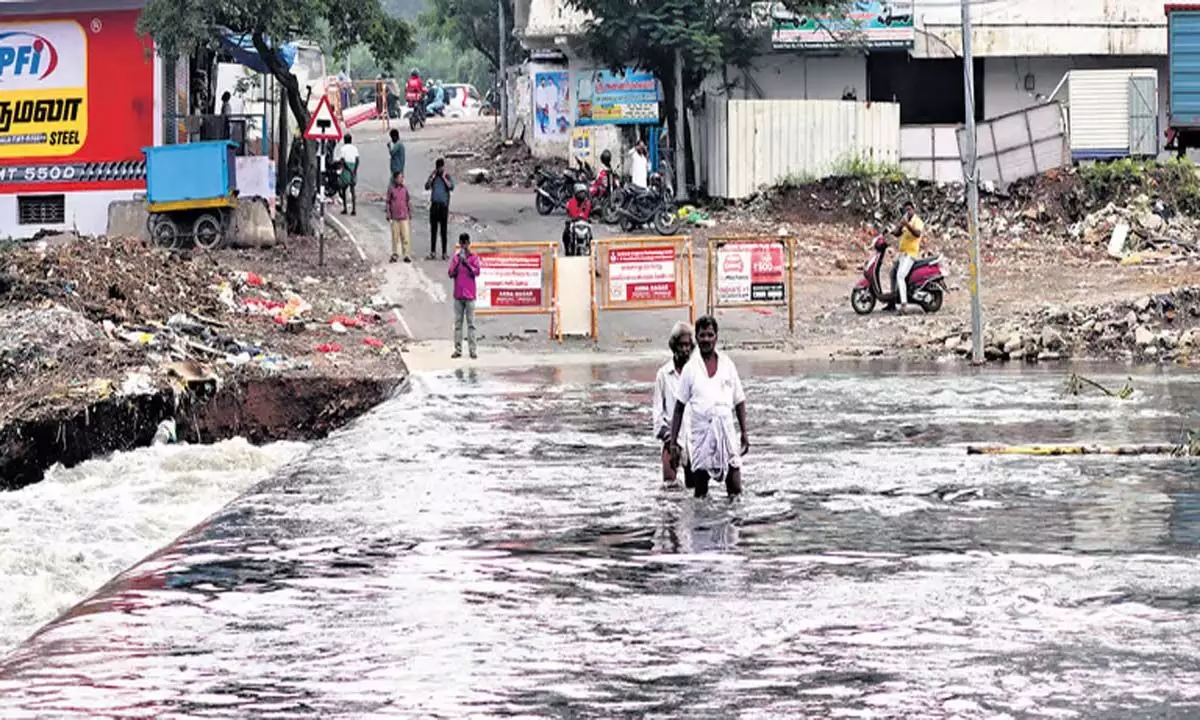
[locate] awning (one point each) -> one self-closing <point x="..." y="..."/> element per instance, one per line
<point x="241" y="47"/>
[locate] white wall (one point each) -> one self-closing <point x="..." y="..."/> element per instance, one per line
<point x="86" y="213"/>
<point x="1043" y="27"/>
<point x="791" y="76"/>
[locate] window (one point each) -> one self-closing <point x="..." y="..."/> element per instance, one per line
<point x="41" y="209"/>
<point x="930" y="92"/>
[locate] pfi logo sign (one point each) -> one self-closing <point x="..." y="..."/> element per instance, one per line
<point x="27" y="55"/>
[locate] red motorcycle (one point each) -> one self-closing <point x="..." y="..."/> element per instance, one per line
<point x="926" y="283"/>
<point x="606" y="196"/>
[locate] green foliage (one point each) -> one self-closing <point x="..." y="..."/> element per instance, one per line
<point x="794" y="180"/>
<point x="1176" y="181"/>
<point x="436" y="59"/>
<point x="856" y="165"/>
<point x="474" y="25"/>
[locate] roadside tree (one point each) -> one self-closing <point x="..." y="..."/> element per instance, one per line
<point x="181" y="26"/>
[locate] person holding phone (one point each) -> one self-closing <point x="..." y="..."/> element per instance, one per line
<point x="440" y="184"/>
<point x="464" y="268"/>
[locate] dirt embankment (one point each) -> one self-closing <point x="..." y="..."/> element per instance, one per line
<point x="102" y="340"/>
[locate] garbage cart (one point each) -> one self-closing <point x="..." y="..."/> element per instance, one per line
<point x="191" y="193"/>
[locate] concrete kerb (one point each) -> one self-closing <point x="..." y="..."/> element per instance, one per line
<point x="345" y="234"/>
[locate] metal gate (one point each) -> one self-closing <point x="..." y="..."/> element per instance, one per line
<point x="1143" y="117"/>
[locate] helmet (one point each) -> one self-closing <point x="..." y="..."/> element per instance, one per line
<point x="415" y="73"/>
<point x="606" y="157"/>
<point x="581" y="192"/>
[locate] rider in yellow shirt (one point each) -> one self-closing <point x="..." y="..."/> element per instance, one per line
<point x="910" y="231"/>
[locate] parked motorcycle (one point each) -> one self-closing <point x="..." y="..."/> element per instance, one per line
<point x="607" y="196"/>
<point x="579" y="238"/>
<point x="926" y="283"/>
<point x="552" y="190"/>
<point x="648" y="206"/>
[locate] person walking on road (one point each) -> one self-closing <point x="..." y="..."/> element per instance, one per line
<point x="440" y="184"/>
<point x="710" y="388"/>
<point x="666" y="384"/>
<point x="396" y="150"/>
<point x="399" y="212"/>
<point x="347" y="154"/>
<point x="464" y="268"/>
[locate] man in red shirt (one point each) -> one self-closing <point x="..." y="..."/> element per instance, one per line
<point x="414" y="89"/>
<point x="579" y="207"/>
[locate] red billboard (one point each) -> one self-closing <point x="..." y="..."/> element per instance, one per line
<point x="76" y="102"/>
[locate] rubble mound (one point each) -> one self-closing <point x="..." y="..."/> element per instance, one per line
<point x="1152" y="328"/>
<point x="488" y="158"/>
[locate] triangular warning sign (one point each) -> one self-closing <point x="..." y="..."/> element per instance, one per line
<point x="323" y="125"/>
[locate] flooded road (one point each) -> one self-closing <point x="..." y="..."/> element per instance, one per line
<point x="498" y="545"/>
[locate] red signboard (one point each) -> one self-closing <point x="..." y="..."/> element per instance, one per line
<point x="516" y="297"/>
<point x="646" y="274"/>
<point x="751" y="272"/>
<point x="76" y="102"/>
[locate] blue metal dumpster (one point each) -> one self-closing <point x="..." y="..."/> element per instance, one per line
<point x="191" y="176"/>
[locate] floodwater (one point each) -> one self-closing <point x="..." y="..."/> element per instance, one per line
<point x="498" y="545"/>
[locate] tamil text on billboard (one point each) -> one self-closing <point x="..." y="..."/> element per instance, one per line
<point x="606" y="98"/>
<point x="642" y="275"/>
<point x="751" y="272"/>
<point x="862" y="23"/>
<point x="76" y="102"/>
<point x="510" y="281"/>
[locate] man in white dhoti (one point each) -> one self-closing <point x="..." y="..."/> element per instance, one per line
<point x="665" y="386"/>
<point x="711" y="391"/>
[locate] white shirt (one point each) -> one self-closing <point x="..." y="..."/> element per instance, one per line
<point x="711" y="400"/>
<point x="547" y="97"/>
<point x="666" y="385"/>
<point x="639" y="170"/>
<point x="346" y="153"/>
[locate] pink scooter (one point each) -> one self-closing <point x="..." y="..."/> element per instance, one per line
<point x="926" y="283"/>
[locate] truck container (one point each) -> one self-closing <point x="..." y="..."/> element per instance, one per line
<point x="1183" y="81"/>
<point x="1112" y="113"/>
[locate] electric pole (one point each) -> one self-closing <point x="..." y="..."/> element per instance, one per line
<point x="677" y="135"/>
<point x="502" y="71"/>
<point x="972" y="178"/>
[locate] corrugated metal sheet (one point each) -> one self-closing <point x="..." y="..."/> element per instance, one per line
<point x="770" y="140"/>
<point x="930" y="152"/>
<point x="1098" y="109"/>
<point x="1184" y="62"/>
<point x="1020" y="144"/>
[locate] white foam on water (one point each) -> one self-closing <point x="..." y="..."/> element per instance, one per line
<point x="64" y="537"/>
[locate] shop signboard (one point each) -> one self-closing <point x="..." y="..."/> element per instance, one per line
<point x="873" y="24"/>
<point x="603" y="97"/>
<point x="510" y="281"/>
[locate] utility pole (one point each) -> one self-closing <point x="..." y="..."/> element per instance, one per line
<point x="677" y="137"/>
<point x="502" y="71"/>
<point x="972" y="178"/>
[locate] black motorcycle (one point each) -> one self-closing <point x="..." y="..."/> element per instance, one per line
<point x="552" y="190"/>
<point x="648" y="206"/>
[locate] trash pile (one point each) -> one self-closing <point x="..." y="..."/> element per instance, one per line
<point x="1145" y="231"/>
<point x="38" y="338"/>
<point x="488" y="159"/>
<point x="1154" y="328"/>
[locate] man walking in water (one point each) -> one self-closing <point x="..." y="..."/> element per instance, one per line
<point x="711" y="390"/>
<point x="665" y="387"/>
<point x="464" y="268"/>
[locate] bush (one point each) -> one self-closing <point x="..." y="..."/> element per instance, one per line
<point x="854" y="165"/>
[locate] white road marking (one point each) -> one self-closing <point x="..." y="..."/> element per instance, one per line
<point x="345" y="231"/>
<point x="400" y="319"/>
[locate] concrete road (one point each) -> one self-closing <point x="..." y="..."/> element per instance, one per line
<point x="499" y="215"/>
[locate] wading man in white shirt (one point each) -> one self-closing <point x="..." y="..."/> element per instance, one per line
<point x="711" y="390"/>
<point x="665" y="387"/>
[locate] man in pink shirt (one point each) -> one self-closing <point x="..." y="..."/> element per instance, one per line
<point x="464" y="268"/>
<point x="399" y="211"/>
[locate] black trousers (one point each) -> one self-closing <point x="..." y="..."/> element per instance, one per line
<point x="439" y="220"/>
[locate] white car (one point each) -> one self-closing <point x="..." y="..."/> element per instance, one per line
<point x="462" y="100"/>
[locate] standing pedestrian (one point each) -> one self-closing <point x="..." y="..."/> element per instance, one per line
<point x="639" y="166"/>
<point x="711" y="389"/>
<point x="440" y="184"/>
<point x="396" y="151"/>
<point x="399" y="210"/>
<point x="348" y="155"/>
<point x="666" y="385"/>
<point x="464" y="268"/>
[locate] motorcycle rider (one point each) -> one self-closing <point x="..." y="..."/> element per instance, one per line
<point x="579" y="207"/>
<point x="414" y="89"/>
<point x="910" y="230"/>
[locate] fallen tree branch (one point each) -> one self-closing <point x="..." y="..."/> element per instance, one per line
<point x="1060" y="450"/>
<point x="1075" y="384"/>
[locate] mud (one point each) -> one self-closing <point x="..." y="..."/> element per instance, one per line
<point x="260" y="409"/>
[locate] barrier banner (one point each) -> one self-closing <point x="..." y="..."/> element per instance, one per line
<point x="510" y="280"/>
<point x="751" y="272"/>
<point x="642" y="274"/>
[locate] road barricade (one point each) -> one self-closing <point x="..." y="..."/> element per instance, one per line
<point x="644" y="273"/>
<point x="518" y="278"/>
<point x="752" y="271"/>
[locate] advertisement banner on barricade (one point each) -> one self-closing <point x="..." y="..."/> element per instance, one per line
<point x="751" y="271"/>
<point x="510" y="281"/>
<point x="642" y="274"/>
<point x="518" y="278"/>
